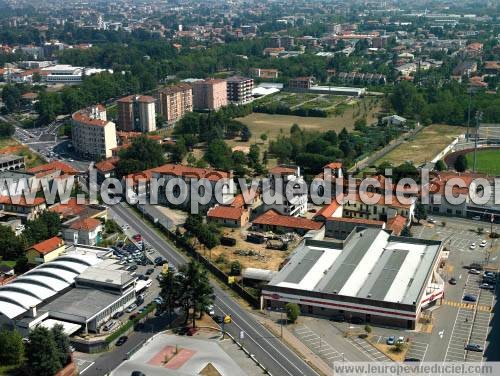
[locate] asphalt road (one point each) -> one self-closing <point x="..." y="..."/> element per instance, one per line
<point x="268" y="349"/>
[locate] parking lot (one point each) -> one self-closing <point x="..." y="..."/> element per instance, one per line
<point x="318" y="345"/>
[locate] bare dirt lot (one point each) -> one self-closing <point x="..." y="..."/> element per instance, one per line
<point x="261" y="258"/>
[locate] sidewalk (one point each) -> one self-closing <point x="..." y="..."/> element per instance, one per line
<point x="295" y="345"/>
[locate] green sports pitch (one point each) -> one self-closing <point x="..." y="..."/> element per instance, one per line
<point x="488" y="161"/>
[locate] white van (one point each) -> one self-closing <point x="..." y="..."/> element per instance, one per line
<point x="109" y="325"/>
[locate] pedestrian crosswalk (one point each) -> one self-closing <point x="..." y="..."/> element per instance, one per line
<point x="483" y="308"/>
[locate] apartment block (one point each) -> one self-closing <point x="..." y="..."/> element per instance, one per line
<point x="136" y="113"/>
<point x="209" y="94"/>
<point x="239" y="89"/>
<point x="174" y="101"/>
<point x="94" y="136"/>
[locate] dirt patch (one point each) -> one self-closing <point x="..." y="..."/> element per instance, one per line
<point x="248" y="254"/>
<point x="389" y="351"/>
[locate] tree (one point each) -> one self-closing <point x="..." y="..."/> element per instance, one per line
<point x="46" y="362"/>
<point x="22" y="265"/>
<point x="11" y="246"/>
<point x="197" y="291"/>
<point x="440" y="166"/>
<point x="253" y="155"/>
<point x="62" y="344"/>
<point x="420" y="212"/>
<point x="11" y="347"/>
<point x="219" y="155"/>
<point x="406" y="232"/>
<point x="292" y="312"/>
<point x="245" y="134"/>
<point x="6" y="129"/>
<point x="461" y="163"/>
<point x="263" y="137"/>
<point x="143" y="154"/>
<point x="368" y="329"/>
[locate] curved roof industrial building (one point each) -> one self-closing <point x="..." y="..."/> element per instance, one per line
<point x="42" y="283"/>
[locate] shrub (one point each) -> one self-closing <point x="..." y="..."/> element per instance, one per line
<point x="292" y="311"/>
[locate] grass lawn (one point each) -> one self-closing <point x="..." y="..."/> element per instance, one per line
<point x="424" y="146"/>
<point x="9" y="263"/>
<point x="487" y="161"/>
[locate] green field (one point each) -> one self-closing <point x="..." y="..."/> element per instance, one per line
<point x="487" y="161"/>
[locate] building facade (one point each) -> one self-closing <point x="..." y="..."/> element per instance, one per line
<point x="93" y="136"/>
<point x="239" y="89"/>
<point x="136" y="113"/>
<point x="174" y="102"/>
<point x="209" y="94"/>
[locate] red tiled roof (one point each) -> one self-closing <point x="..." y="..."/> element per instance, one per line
<point x="48" y="245"/>
<point x="21" y="201"/>
<point x="282" y="170"/>
<point x="71" y="208"/>
<point x="334" y="165"/>
<point x="54" y="166"/>
<point x="238" y="202"/>
<point x="107" y="164"/>
<point x="82" y="116"/>
<point x="396" y="224"/>
<point x="195" y="172"/>
<point x="273" y="218"/>
<point x="225" y="212"/>
<point x="87" y="224"/>
<point x="328" y="210"/>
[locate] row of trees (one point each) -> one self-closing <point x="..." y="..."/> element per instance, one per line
<point x="189" y="289"/>
<point x="208" y="235"/>
<point x="45" y="352"/>
<point x="449" y="103"/>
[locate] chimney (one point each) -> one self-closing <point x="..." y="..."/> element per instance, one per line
<point x="32" y="311"/>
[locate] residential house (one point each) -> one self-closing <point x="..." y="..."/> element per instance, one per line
<point x="87" y="231"/>
<point x="45" y="251"/>
<point x="18" y="206"/>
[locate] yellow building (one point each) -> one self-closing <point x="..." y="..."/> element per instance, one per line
<point x="45" y="251"/>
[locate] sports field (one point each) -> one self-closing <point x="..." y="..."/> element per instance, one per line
<point x="424" y="146"/>
<point x="487" y="161"/>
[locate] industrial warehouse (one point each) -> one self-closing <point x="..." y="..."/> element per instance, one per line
<point x="371" y="275"/>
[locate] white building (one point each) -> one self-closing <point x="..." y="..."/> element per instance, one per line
<point x="68" y="74"/>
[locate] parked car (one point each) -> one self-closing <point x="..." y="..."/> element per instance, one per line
<point x="474" y="271"/>
<point x="391" y="340"/>
<point x="131" y="307"/>
<point x="159" y="261"/>
<point x="476" y="218"/>
<point x="137" y="237"/>
<point x="117" y="315"/>
<point x="476" y="266"/>
<point x="137" y="373"/>
<point x="412" y="360"/>
<point x="150" y="271"/>
<point x="474" y="347"/>
<point x="431" y="220"/>
<point x="486" y="286"/>
<point x="400" y="340"/>
<point x="210" y="310"/>
<point x="472" y="246"/>
<point x="483" y="243"/>
<point x="218" y="319"/>
<point x="469" y="298"/>
<point x="121" y="340"/>
<point x="489" y="275"/>
<point x="109" y="325"/>
<point x="452" y="281"/>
